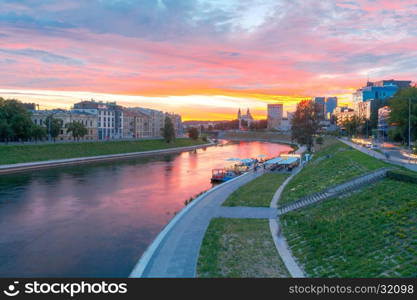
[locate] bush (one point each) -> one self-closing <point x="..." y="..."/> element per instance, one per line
<point x="193" y="133"/>
<point x="402" y="176"/>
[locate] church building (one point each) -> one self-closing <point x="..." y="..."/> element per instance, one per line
<point x="244" y="120"/>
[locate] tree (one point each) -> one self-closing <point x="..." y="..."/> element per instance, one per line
<point x="77" y="129"/>
<point x="193" y="133"/>
<point x="319" y="141"/>
<point x="15" y="121"/>
<point x="305" y="123"/>
<point x="38" y="132"/>
<point x="234" y="124"/>
<point x="395" y="134"/>
<point x="168" y="131"/>
<point x="6" y="131"/>
<point x="262" y="124"/>
<point x="21" y="125"/>
<point x="53" y="126"/>
<point x="354" y="125"/>
<point x="399" y="105"/>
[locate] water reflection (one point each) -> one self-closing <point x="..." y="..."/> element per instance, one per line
<point x="97" y="219"/>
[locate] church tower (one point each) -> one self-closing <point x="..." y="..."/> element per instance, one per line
<point x="248" y="114"/>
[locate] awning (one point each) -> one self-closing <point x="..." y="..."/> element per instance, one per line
<point x="247" y="160"/>
<point x="288" y="161"/>
<point x="274" y="161"/>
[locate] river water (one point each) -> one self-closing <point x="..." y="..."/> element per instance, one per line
<point x="96" y="220"/>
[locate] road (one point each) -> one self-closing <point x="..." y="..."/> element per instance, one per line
<point x="395" y="156"/>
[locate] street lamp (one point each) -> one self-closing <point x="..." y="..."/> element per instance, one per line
<point x="49" y="126"/>
<point x="409" y="124"/>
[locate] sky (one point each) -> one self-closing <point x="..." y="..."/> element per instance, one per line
<point x="202" y="58"/>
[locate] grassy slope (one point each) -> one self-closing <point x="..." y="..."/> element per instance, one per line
<point x="343" y="164"/>
<point x="239" y="248"/>
<point x="10" y="154"/>
<point x="258" y="192"/>
<point x="367" y="234"/>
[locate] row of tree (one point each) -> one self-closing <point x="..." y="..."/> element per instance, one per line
<point x="234" y="124"/>
<point x="16" y="124"/>
<point x="168" y="131"/>
<point x="403" y="109"/>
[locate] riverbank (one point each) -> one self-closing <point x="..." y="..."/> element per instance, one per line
<point x="378" y="237"/>
<point x="271" y="137"/>
<point x="74" y="221"/>
<point x="244" y="245"/>
<point x="332" y="164"/>
<point x="368" y="233"/>
<point x="175" y="251"/>
<point x="28" y="157"/>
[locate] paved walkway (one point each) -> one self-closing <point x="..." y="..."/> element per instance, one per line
<point x="279" y="240"/>
<point x="284" y="251"/>
<point x="175" y="251"/>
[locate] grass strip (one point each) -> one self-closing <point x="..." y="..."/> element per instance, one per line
<point x="11" y="154"/>
<point x="237" y="248"/>
<point x="258" y="192"/>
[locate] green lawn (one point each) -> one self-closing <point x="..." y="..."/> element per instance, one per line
<point x="333" y="164"/>
<point x="367" y="234"/>
<point x="258" y="192"/>
<point x="11" y="154"/>
<point x="239" y="248"/>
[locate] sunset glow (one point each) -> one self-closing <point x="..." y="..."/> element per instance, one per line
<point x="203" y="59"/>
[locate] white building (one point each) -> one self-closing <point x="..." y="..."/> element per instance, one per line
<point x="109" y="118"/>
<point x="275" y="113"/>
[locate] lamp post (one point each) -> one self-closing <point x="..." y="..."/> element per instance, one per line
<point x="409" y="124"/>
<point x="49" y="126"/>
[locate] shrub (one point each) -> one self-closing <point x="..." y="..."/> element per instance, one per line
<point x="402" y="176"/>
<point x="193" y="133"/>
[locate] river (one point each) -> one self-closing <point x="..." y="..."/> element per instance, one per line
<point x="96" y="220"/>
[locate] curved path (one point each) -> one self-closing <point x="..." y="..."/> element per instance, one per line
<point x="279" y="240"/>
<point x="175" y="251"/>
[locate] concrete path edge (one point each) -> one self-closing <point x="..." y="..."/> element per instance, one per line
<point x="279" y="240"/>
